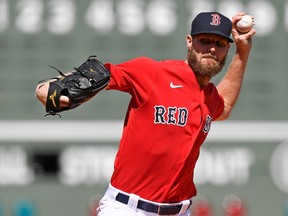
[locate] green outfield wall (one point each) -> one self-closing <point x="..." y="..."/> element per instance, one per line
<point x="63" y="33"/>
<point x="47" y="171"/>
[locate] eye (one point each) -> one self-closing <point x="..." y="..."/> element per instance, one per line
<point x="204" y="41"/>
<point x="220" y="44"/>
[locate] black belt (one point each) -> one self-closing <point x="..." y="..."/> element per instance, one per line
<point x="150" y="207"/>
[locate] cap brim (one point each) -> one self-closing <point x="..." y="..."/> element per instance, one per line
<point x="214" y="32"/>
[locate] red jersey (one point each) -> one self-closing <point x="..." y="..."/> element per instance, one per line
<point x="167" y="120"/>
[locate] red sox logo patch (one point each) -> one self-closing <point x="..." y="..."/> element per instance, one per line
<point x="215" y="20"/>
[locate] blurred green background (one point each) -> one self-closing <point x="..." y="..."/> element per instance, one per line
<point x="63" y="33"/>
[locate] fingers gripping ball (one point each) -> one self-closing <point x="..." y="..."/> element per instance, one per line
<point x="79" y="86"/>
<point x="245" y="24"/>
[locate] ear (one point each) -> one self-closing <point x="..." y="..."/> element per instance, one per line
<point x="189" y="41"/>
<point x="229" y="45"/>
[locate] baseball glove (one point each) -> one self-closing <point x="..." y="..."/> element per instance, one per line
<point x="79" y="86"/>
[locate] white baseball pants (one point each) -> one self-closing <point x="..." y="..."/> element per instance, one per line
<point x="108" y="206"/>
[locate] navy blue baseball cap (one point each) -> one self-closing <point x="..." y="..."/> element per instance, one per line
<point x="212" y="23"/>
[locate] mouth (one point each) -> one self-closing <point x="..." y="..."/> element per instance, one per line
<point x="209" y="60"/>
<point x="209" y="57"/>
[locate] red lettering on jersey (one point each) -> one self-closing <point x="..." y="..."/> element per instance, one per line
<point x="215" y="19"/>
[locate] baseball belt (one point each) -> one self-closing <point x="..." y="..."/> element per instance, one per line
<point x="161" y="209"/>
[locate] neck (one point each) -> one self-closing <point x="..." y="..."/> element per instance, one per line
<point x="203" y="80"/>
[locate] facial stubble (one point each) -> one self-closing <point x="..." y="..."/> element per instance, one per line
<point x="201" y="69"/>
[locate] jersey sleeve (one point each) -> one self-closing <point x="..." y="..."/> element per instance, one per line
<point x="136" y="77"/>
<point x="214" y="101"/>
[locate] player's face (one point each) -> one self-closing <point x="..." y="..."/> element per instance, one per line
<point x="207" y="54"/>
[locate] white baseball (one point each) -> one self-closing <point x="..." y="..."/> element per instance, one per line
<point x="245" y="24"/>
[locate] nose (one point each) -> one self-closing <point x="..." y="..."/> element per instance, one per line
<point x="212" y="48"/>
